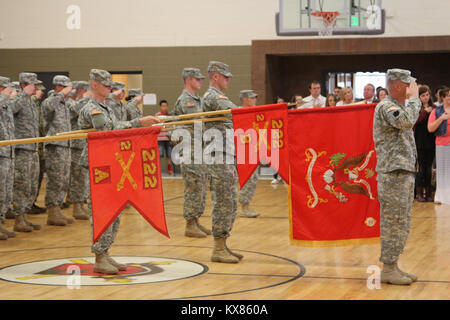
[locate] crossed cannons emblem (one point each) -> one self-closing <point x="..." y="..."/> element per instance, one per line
<point x="125" y="171"/>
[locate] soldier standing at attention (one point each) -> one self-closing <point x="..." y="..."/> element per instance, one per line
<point x="56" y="115"/>
<point x="194" y="174"/>
<point x="248" y="99"/>
<point x="6" y="154"/>
<point x="114" y="101"/>
<point x="26" y="162"/>
<point x="396" y="167"/>
<point x="96" y="114"/>
<point x="223" y="175"/>
<point x="37" y="98"/>
<point x="78" y="174"/>
<point x="135" y="98"/>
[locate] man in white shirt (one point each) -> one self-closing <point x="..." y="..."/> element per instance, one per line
<point x="314" y="100"/>
<point x="369" y="93"/>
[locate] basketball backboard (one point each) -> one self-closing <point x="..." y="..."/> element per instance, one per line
<point x="355" y="17"/>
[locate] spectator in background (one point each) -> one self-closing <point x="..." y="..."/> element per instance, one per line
<point x="382" y="93"/>
<point x="439" y="123"/>
<point x="298" y="100"/>
<point x="331" y="100"/>
<point x="337" y="93"/>
<point x="164" y="143"/>
<point x="369" y="93"/>
<point x="346" y="97"/>
<point x="438" y="99"/>
<point x="278" y="100"/>
<point x="315" y="99"/>
<point x="425" y="145"/>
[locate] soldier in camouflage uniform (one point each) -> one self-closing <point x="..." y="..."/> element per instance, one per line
<point x="396" y="167"/>
<point x="114" y="101"/>
<point x="96" y="114"/>
<point x="134" y="98"/>
<point x="194" y="174"/>
<point x="26" y="162"/>
<point x="248" y="99"/>
<point x="55" y="113"/>
<point x="6" y="154"/>
<point x="223" y="174"/>
<point x="78" y="174"/>
<point x="35" y="209"/>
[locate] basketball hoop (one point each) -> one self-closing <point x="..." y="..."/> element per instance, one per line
<point x="327" y="21"/>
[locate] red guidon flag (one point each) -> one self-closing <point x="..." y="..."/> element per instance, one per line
<point x="260" y="135"/>
<point x="333" y="185"/>
<point x="124" y="168"/>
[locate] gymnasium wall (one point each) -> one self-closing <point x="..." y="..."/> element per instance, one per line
<point x="161" y="67"/>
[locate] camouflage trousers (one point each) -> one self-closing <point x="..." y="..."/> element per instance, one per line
<point x="248" y="191"/>
<point x="78" y="175"/>
<point x="105" y="242"/>
<point x="223" y="184"/>
<point x="195" y="185"/>
<point x="6" y="184"/>
<point x="57" y="167"/>
<point x="396" y="196"/>
<point x="26" y="179"/>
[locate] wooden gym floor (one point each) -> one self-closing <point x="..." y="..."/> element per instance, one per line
<point x="271" y="268"/>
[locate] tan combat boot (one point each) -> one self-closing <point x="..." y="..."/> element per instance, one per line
<point x="205" y="230"/>
<point x="34" y="226"/>
<point x="192" y="229"/>
<point x="237" y="255"/>
<point x="220" y="252"/>
<point x="78" y="212"/>
<point x="390" y="274"/>
<point x="3" y="236"/>
<point x="246" y="212"/>
<point x="119" y="266"/>
<point x="20" y="225"/>
<point x="68" y="220"/>
<point x="102" y="265"/>
<point x="413" y="277"/>
<point x="55" y="219"/>
<point x="10" y="234"/>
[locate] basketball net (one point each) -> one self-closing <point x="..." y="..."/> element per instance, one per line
<point x="327" y="21"/>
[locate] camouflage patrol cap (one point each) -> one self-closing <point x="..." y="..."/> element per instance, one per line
<point x="135" y="92"/>
<point x="40" y="85"/>
<point x="62" y="81"/>
<point x="247" y="94"/>
<point x="28" y="78"/>
<point x="5" y="82"/>
<point x="118" y="85"/>
<point x="192" y="73"/>
<point x="16" y="85"/>
<point x="400" y="74"/>
<point x="222" y="68"/>
<point x="102" y="76"/>
<point x="80" y="85"/>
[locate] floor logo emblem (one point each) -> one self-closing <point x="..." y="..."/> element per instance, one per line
<point x="60" y="272"/>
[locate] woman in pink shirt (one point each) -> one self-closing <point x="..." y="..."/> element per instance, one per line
<point x="439" y="123"/>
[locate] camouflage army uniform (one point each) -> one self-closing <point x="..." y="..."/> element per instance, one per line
<point x="26" y="164"/>
<point x="248" y="191"/>
<point x="223" y="177"/>
<point x="57" y="153"/>
<point x="108" y="121"/>
<point x="6" y="155"/>
<point x="396" y="167"/>
<point x="194" y="175"/>
<point x="119" y="108"/>
<point x="78" y="174"/>
<point x="131" y="107"/>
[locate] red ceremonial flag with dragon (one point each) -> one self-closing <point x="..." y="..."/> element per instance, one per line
<point x="124" y="168"/>
<point x="260" y="135"/>
<point x="333" y="186"/>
